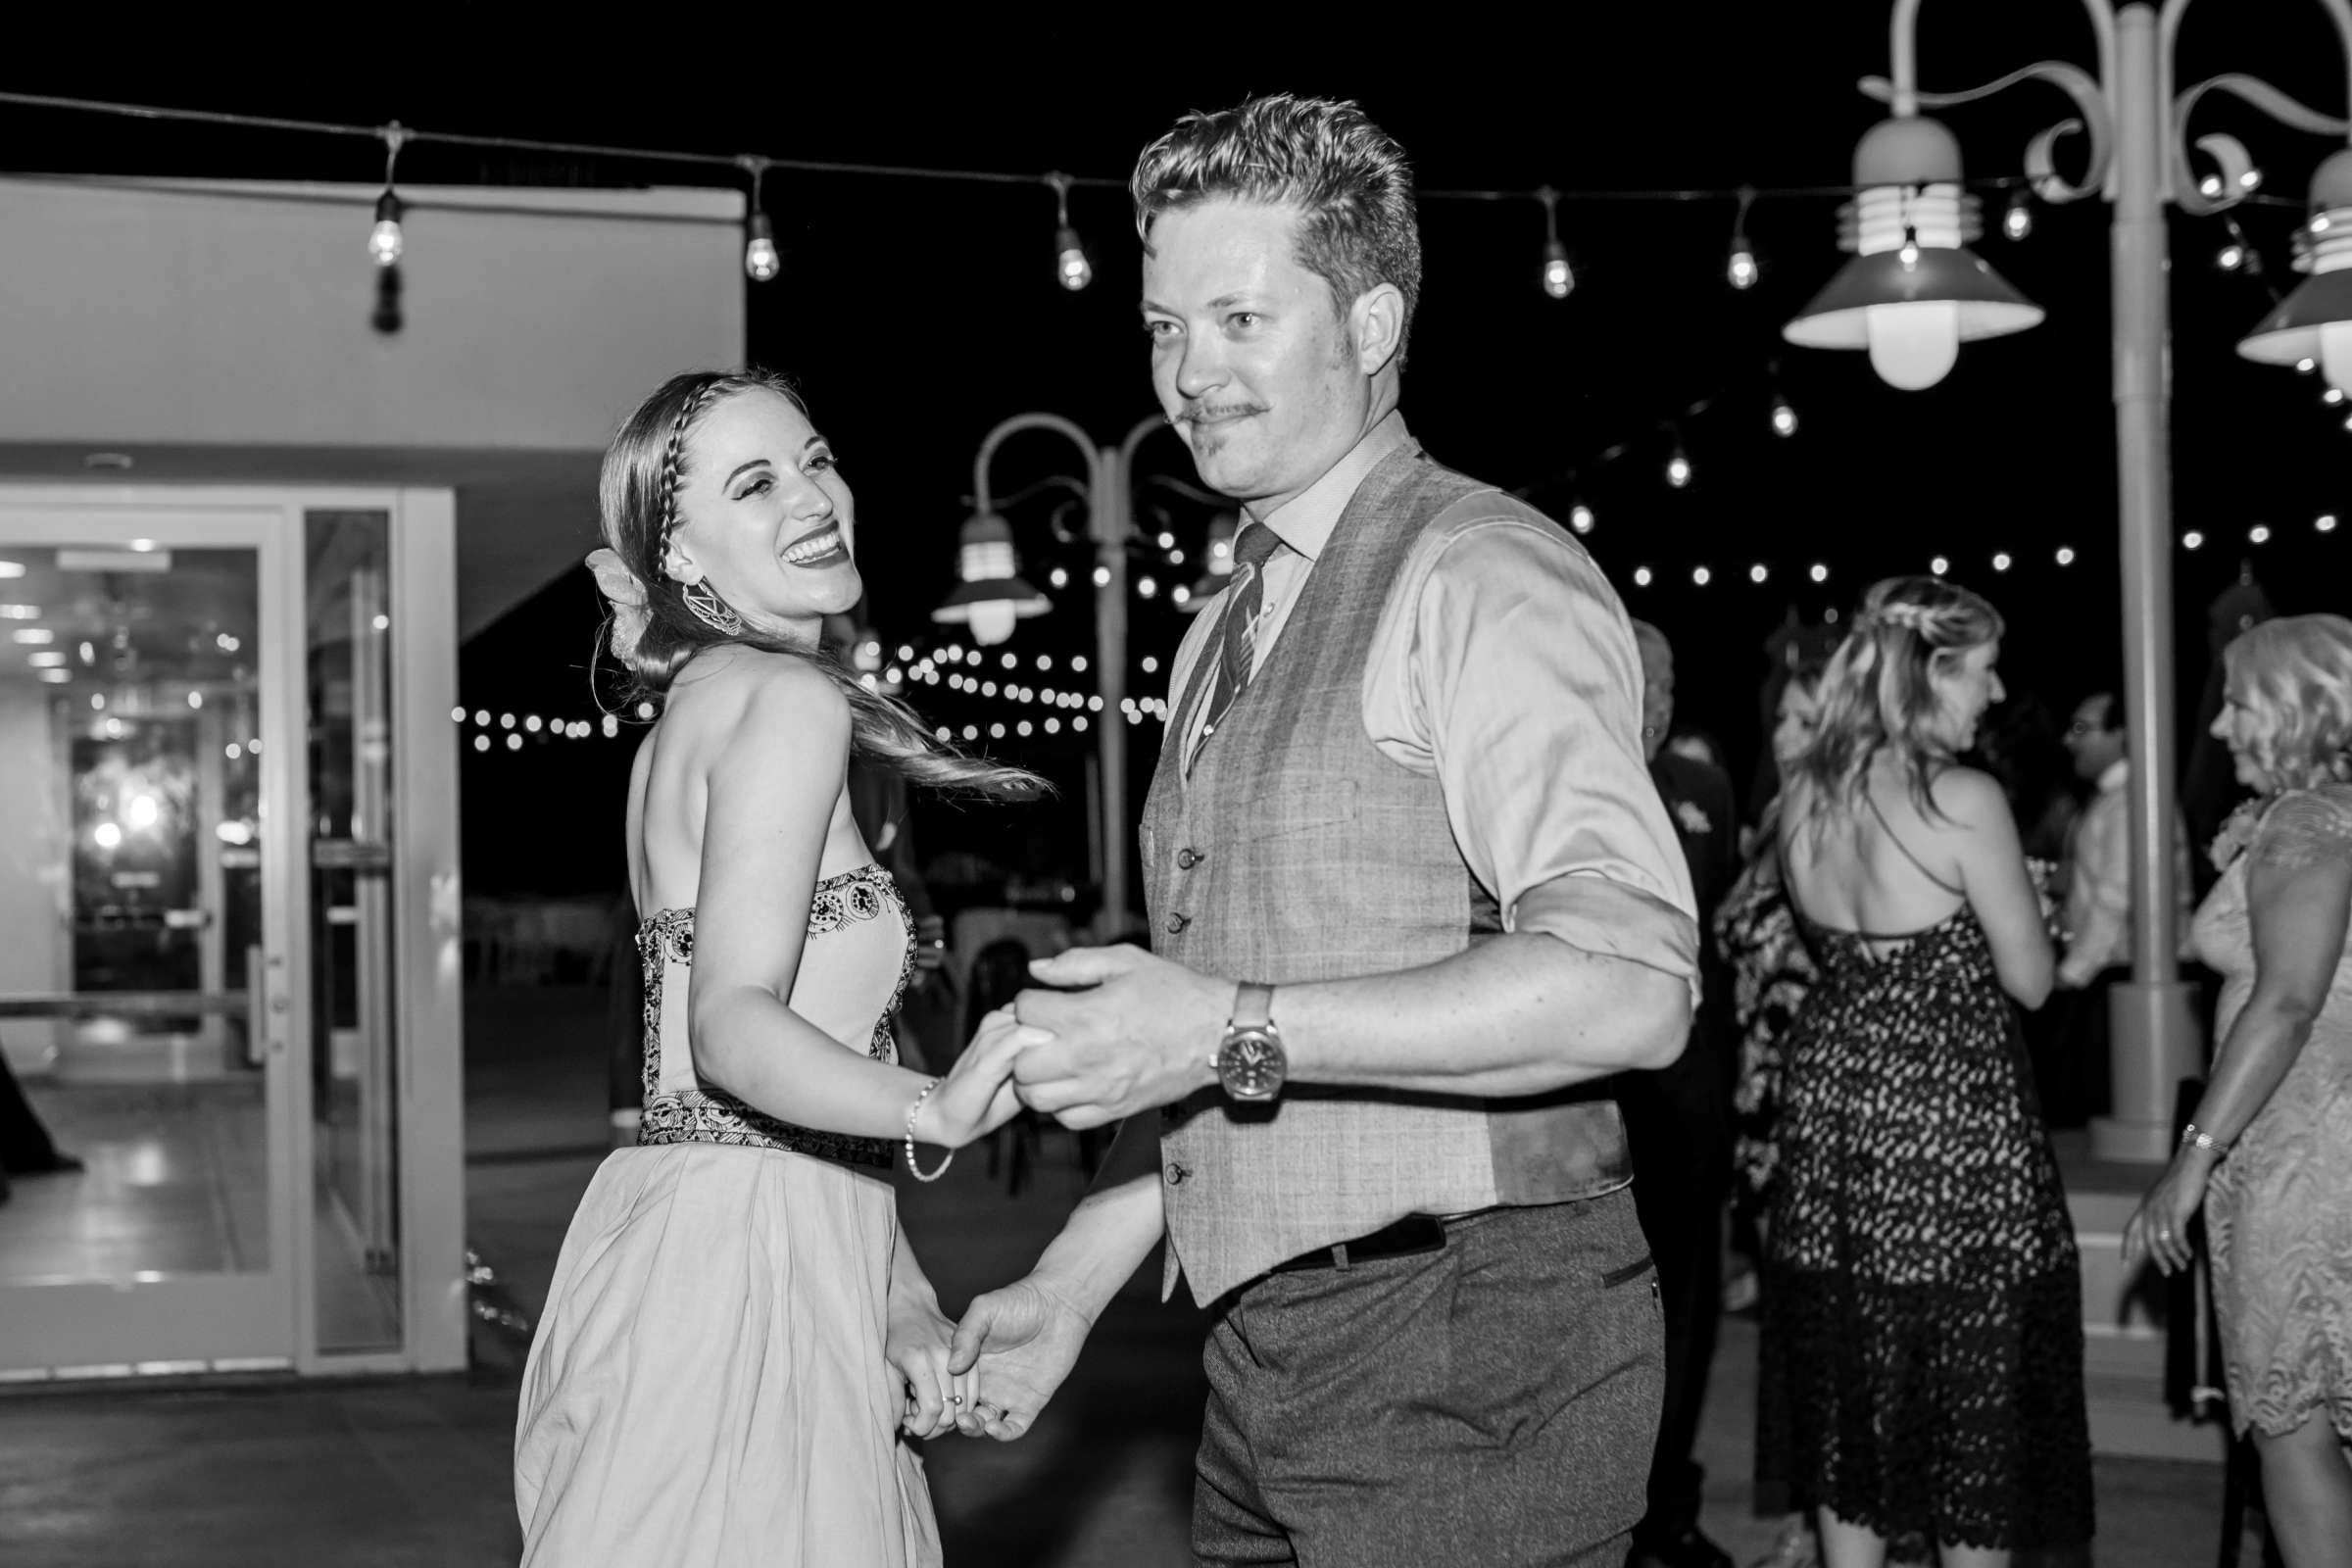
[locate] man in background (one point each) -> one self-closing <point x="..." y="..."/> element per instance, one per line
<point x="1679" y="1122"/>
<point x="2073" y="1076"/>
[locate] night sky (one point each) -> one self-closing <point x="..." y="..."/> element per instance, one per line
<point x="917" y="314"/>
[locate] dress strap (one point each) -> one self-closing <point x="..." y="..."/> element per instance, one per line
<point x="1897" y="840"/>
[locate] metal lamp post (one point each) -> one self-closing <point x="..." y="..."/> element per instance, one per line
<point x="2137" y="130"/>
<point x="1109" y="525"/>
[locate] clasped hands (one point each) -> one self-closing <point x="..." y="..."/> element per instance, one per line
<point x="1120" y="1032"/>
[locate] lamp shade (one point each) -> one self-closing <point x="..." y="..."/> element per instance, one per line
<point x="993" y="595"/>
<point x="1913" y="291"/>
<point x="2315" y="321"/>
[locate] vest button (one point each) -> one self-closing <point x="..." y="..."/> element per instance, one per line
<point x="1177" y="924"/>
<point x="1176" y="1174"/>
<point x="1186" y="859"/>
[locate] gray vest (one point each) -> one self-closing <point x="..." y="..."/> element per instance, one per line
<point x="1295" y="852"/>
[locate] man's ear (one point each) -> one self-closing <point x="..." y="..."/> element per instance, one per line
<point x="1376" y="324"/>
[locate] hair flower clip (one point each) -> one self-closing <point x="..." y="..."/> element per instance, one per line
<point x="621" y="587"/>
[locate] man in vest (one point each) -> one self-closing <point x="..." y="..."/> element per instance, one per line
<point x="1412" y="896"/>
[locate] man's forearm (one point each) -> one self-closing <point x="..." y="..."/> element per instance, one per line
<point x="1519" y="1014"/>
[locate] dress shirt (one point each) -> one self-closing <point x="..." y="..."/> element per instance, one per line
<point x="2098" y="888"/>
<point x="1503" y="666"/>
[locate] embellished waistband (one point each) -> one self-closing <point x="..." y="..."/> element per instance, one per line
<point x="710" y="1116"/>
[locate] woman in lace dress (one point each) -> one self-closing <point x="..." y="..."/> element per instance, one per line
<point x="2269" y="1153"/>
<point x="1923" y="1296"/>
<point x="737" y="1330"/>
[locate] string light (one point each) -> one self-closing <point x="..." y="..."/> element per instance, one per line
<point x="1741" y="270"/>
<point x="1580" y="518"/>
<point x="2066" y="554"/>
<point x="2259" y="534"/>
<point x="2191" y="539"/>
<point x="1757" y="572"/>
<point x="2018" y="222"/>
<point x="1701" y="576"/>
<point x="384" y="240"/>
<point x="1784" y="418"/>
<point x="1678" y="467"/>
<point x="760" y="263"/>
<point x="1070" y="265"/>
<point x="2325" y="522"/>
<point x="1820" y="572"/>
<point x="1939" y="566"/>
<point x="2000" y="562"/>
<point x="1559" y="279"/>
<point x="1640" y="576"/>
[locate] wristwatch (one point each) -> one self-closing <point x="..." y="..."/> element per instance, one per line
<point x="1249" y="1060"/>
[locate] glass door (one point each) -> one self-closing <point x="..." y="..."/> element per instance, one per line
<point x="149" y="732"/>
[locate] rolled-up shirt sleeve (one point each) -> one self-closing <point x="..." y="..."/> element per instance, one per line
<point x="1505" y="666"/>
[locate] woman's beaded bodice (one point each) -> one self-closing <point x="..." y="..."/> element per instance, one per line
<point x="854" y="968"/>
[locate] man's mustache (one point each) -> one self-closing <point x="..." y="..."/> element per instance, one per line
<point x="1197" y="413"/>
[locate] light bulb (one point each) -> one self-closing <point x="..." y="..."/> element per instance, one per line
<point x="1580" y="518"/>
<point x="2210" y="186"/>
<point x="1147" y="587"/>
<point x="2232" y="257"/>
<point x="1908" y="255"/>
<point x="760" y="263"/>
<point x="1070" y="264"/>
<point x="1915" y="344"/>
<point x="1558" y="279"/>
<point x="2066" y="554"/>
<point x="1757" y="572"/>
<point x="1702" y="576"/>
<point x="1743" y="270"/>
<point x="2335" y="355"/>
<point x="1058" y="578"/>
<point x="1784" y="418"/>
<point x="1939" y="566"/>
<point x="2018" y="222"/>
<point x="384" y="240"/>
<point x="2000" y="562"/>
<point x="2306" y="366"/>
<point x="2191" y="539"/>
<point x="1678" y="471"/>
<point x="2250" y="180"/>
<point x="991" y="620"/>
<point x="2259" y="534"/>
<point x="1820" y="572"/>
<point x="1640" y="576"/>
<point x="2325" y="522"/>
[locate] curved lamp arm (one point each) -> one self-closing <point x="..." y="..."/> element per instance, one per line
<point x="2168" y="38"/>
<point x="1903" y="53"/>
<point x="1013" y="427"/>
<point x="2226" y="150"/>
<point x="2040" y="162"/>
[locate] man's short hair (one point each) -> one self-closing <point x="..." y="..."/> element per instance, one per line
<point x="1652" y="645"/>
<point x="1347" y="177"/>
<point x="2111" y="710"/>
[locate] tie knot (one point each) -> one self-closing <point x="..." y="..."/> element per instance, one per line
<point x="1255" y="546"/>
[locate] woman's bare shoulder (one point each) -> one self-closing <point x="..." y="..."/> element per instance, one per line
<point x="1966" y="799"/>
<point x="739" y="693"/>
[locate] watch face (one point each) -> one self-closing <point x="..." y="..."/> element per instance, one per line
<point x="1251" y="1065"/>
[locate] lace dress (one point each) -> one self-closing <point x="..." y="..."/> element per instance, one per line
<point x="2279" y="1212"/>
<point x="1923" y="1296"/>
<point x="707" y="1383"/>
<point x="1771" y="972"/>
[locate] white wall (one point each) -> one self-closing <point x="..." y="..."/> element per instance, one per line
<point x="173" y="311"/>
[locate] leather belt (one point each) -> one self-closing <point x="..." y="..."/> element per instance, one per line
<point x="1415" y="1233"/>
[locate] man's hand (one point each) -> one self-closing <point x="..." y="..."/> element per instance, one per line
<point x="1144" y="1036"/>
<point x="1012" y="1350"/>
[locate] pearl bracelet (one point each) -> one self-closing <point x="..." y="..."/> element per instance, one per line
<point x="2193" y="1134"/>
<point x="914" y="1111"/>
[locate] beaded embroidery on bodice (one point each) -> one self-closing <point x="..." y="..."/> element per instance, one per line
<point x="701" y="1114"/>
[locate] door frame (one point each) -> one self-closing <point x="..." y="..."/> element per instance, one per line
<point x="269" y="1321"/>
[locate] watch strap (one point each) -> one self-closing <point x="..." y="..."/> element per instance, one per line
<point x="1253" y="1006"/>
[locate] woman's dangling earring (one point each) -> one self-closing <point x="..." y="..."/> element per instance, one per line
<point x="710" y="610"/>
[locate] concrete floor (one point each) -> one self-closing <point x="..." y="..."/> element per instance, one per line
<point x="390" y="1474"/>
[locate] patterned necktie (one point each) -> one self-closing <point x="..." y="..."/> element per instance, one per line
<point x="1237" y="634"/>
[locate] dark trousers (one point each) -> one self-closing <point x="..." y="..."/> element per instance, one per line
<point x="1678" y="1120"/>
<point x="2068" y="1038"/>
<point x="1491" y="1402"/>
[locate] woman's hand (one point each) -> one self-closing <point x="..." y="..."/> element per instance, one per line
<point x="917" y="1344"/>
<point x="2159" y="1230"/>
<point x="976" y="1097"/>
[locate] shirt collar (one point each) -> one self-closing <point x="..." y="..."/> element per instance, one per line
<point x="2115" y="776"/>
<point x="1305" y="521"/>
